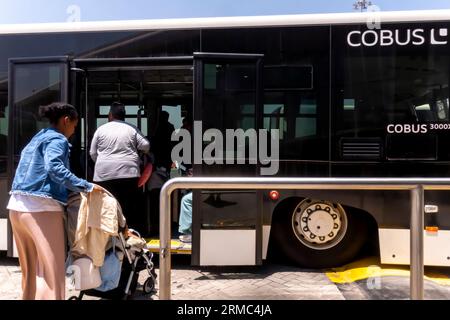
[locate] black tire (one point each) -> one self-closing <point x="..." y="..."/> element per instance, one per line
<point x="343" y="252"/>
<point x="149" y="285"/>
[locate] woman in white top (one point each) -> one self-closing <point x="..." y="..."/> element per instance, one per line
<point x="38" y="194"/>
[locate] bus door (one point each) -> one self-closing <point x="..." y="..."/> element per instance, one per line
<point x="33" y="82"/>
<point x="145" y="86"/>
<point x="227" y="225"/>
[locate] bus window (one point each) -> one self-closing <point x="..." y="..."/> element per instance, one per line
<point x="377" y="87"/>
<point x="424" y="112"/>
<point x="175" y="117"/>
<point x="4" y="116"/>
<point x="4" y="113"/>
<point x="103" y="116"/>
<point x="44" y="88"/>
<point x="229" y="97"/>
<point x="306" y="120"/>
<point x="274" y="118"/>
<point x="432" y="107"/>
<point x="296" y="115"/>
<point x="423" y="107"/>
<point x="390" y="91"/>
<point x="442" y="109"/>
<point x="210" y="76"/>
<point x="237" y="77"/>
<point x="247" y="117"/>
<point x="349" y="104"/>
<point x="131" y="117"/>
<point x="289" y="77"/>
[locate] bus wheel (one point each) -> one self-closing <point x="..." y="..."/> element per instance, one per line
<point x="319" y="234"/>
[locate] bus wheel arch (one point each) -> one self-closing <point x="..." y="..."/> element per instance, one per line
<point x="318" y="233"/>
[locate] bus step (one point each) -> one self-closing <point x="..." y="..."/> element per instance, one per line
<point x="176" y="246"/>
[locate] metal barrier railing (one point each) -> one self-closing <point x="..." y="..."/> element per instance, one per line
<point x="415" y="186"/>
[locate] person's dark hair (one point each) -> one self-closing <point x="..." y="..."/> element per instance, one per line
<point x="54" y="111"/>
<point x="118" y="111"/>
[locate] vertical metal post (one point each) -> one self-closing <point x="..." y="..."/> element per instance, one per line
<point x="416" y="243"/>
<point x="86" y="126"/>
<point x="164" y="245"/>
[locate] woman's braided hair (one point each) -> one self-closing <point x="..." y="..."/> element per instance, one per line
<point x="54" y="111"/>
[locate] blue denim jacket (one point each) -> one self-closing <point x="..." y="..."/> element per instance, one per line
<point x="44" y="168"/>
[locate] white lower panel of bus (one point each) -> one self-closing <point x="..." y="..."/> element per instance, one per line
<point x="3" y="234"/>
<point x="395" y="247"/>
<point x="265" y="238"/>
<point x="4" y="238"/>
<point x="227" y="247"/>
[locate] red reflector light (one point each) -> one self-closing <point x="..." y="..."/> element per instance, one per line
<point x="274" y="195"/>
<point x="432" y="229"/>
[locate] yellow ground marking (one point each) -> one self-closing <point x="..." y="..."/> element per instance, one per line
<point x="371" y="267"/>
<point x="176" y="246"/>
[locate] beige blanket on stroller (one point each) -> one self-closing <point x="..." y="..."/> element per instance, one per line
<point x="99" y="218"/>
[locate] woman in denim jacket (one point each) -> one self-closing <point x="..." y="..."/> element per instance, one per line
<point x="39" y="192"/>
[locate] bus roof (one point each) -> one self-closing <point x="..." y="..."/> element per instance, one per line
<point x="229" y="22"/>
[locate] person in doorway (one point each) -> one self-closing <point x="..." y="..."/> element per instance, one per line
<point x="185" y="223"/>
<point x="185" y="220"/>
<point x="115" y="150"/>
<point x="162" y="150"/>
<point x="38" y="193"/>
<point x="186" y="168"/>
<point x="162" y="143"/>
<point x="187" y="124"/>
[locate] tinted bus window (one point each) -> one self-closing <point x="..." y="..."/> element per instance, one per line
<point x="131" y="117"/>
<point x="4" y="114"/>
<point x="288" y="77"/>
<point x="110" y="44"/>
<point x="35" y="85"/>
<point x="300" y="121"/>
<point x="73" y="44"/>
<point x="296" y="84"/>
<point x="396" y="77"/>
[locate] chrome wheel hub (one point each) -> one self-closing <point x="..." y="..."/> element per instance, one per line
<point x="319" y="224"/>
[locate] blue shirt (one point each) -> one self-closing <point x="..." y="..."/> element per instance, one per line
<point x="44" y="168"/>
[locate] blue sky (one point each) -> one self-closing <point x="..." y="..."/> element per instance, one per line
<point x="33" y="11"/>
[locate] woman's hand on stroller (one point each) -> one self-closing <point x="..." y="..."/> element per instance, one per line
<point x="97" y="188"/>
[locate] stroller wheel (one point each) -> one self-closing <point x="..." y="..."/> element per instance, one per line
<point x="73" y="298"/>
<point x="149" y="285"/>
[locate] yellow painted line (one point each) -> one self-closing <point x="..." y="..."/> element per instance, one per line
<point x="176" y="246"/>
<point x="371" y="268"/>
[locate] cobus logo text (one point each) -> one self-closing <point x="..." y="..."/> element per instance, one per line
<point x="407" y="128"/>
<point x="384" y="38"/>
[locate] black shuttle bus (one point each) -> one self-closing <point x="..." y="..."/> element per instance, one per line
<point x="348" y="99"/>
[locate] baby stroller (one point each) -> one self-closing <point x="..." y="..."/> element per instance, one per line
<point x="136" y="259"/>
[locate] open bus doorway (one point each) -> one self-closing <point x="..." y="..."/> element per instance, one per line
<point x="149" y="93"/>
